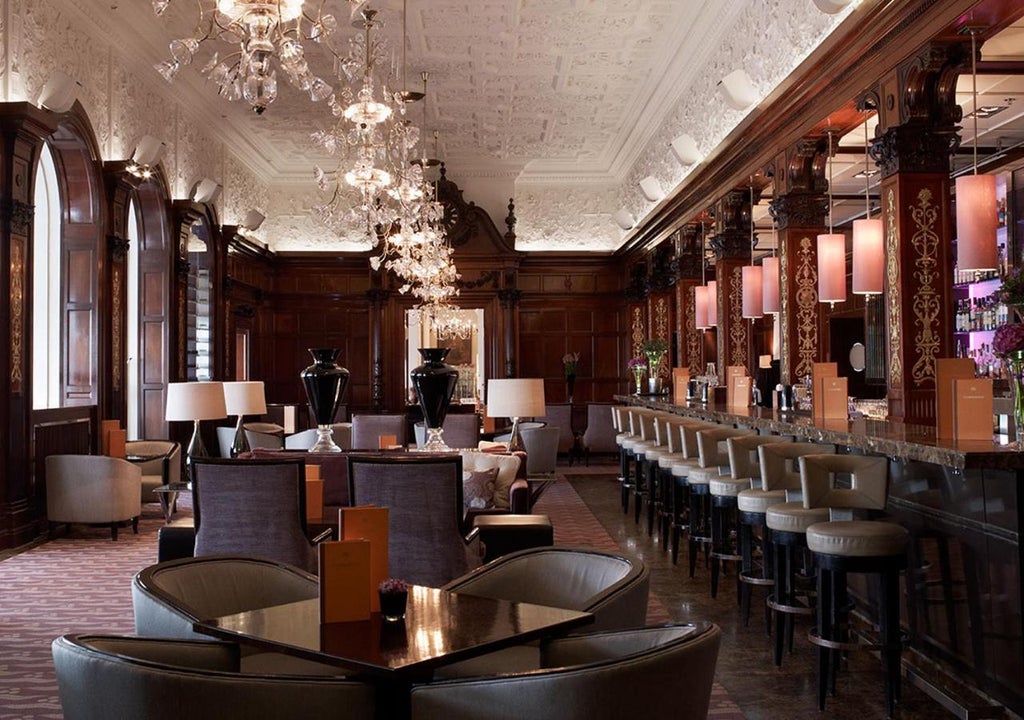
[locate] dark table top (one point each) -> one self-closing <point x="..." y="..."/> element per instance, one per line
<point x="439" y="628"/>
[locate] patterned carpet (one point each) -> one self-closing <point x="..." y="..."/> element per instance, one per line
<point x="81" y="583"/>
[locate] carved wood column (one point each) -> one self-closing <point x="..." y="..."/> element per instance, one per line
<point x="378" y="299"/>
<point x="915" y="137"/>
<point x="800" y="206"/>
<point x="509" y="298"/>
<point x="690" y="275"/>
<point x="731" y="244"/>
<point x="661" y="304"/>
<point x="24" y="127"/>
<point x="636" y="312"/>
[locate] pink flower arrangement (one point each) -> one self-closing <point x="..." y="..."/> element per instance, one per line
<point x="393" y="585"/>
<point x="1008" y="339"/>
<point x="637" y="363"/>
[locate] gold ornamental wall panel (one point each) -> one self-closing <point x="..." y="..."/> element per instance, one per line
<point x="806" y="278"/>
<point x="17" y="312"/>
<point x="892" y="291"/>
<point x="927" y="299"/>
<point x="737" y="325"/>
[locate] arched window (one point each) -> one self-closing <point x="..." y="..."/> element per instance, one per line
<point x="134" y="367"/>
<point x="46" y="297"/>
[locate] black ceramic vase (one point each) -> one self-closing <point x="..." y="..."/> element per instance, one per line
<point x="434" y="382"/>
<point x="325" y="382"/>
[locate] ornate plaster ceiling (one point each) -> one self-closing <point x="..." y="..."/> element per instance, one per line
<point x="569" y="102"/>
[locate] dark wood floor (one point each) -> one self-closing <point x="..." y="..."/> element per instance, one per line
<point x="745" y="667"/>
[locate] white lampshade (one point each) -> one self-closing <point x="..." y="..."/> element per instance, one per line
<point x="207" y="191"/>
<point x="624" y="219"/>
<point x="976" y="222"/>
<point x="195" y="401"/>
<point x="253" y="219"/>
<point x="149" y="150"/>
<point x="832" y="268"/>
<point x="515" y="398"/>
<point x="868" y="257"/>
<point x="700" y="307"/>
<point x="752" y="292"/>
<point x="738" y="90"/>
<point x="712" y="303"/>
<point x="651" y="188"/>
<point x="685" y="149"/>
<point x="770" y="285"/>
<point x="244" y="398"/>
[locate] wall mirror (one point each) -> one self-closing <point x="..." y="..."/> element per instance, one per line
<point x="858" y="357"/>
<point x="462" y="330"/>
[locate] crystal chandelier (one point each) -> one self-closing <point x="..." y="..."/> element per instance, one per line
<point x="372" y="140"/>
<point x="450" y="322"/>
<point x="266" y="34"/>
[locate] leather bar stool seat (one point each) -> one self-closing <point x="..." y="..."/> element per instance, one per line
<point x="793" y="517"/>
<point x="846" y="544"/>
<point x="757" y="501"/>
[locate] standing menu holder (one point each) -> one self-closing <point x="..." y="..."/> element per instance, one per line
<point x="680" y="379"/>
<point x="369" y="523"/>
<point x="948" y="370"/>
<point x="314" y="493"/>
<point x="344" y="567"/>
<point x="731" y="373"/>
<point x="830" y="401"/>
<point x="738" y="392"/>
<point x="972" y="409"/>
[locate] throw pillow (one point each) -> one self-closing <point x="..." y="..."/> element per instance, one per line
<point x="478" y="488"/>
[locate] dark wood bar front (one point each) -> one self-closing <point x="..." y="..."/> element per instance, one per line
<point x="961" y="503"/>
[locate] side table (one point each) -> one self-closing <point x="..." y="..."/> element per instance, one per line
<point x="502" y="534"/>
<point x="168" y="495"/>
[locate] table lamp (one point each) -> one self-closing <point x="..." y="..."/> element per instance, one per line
<point x="195" y="401"/>
<point x="515" y="398"/>
<point x="241" y="399"/>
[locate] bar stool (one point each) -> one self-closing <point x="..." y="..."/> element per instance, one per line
<point x="714" y="465"/>
<point x="653" y="428"/>
<point x="745" y="491"/>
<point x="787" y="522"/>
<point x="620" y="421"/>
<point x="667" y="428"/>
<point x="688" y="430"/>
<point x="843" y="545"/>
<point x="642" y="423"/>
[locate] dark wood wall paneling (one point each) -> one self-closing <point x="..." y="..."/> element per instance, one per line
<point x="58" y="431"/>
<point x="573" y="305"/>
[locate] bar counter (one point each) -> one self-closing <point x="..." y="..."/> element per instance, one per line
<point x="962" y="505"/>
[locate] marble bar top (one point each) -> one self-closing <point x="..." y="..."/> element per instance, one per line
<point x="891" y="438"/>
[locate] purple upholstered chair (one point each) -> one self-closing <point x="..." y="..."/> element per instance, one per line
<point x="367" y="429"/>
<point x="428" y="541"/>
<point x="252" y="507"/>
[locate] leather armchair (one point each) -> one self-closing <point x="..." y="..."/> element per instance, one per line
<point x="658" y="672"/>
<point x="101" y="677"/>
<point x="93" y="489"/>
<point x="163" y="469"/>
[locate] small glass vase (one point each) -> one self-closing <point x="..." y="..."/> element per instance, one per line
<point x="392" y="605"/>
<point x="638" y="375"/>
<point x="1015" y="374"/>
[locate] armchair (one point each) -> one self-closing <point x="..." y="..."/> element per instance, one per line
<point x="600" y="433"/>
<point x="102" y="677"/>
<point x="656" y="672"/>
<point x="367" y="429"/>
<point x="429" y="537"/>
<point x="93" y="489"/>
<point x="163" y="467"/>
<point x="253" y="507"/>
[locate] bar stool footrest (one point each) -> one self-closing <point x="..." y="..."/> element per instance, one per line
<point x="790" y="609"/>
<point x="755" y="580"/>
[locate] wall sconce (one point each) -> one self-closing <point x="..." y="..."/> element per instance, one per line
<point x="624" y="219"/>
<point x="206" y="191"/>
<point x="253" y="219"/>
<point x="685" y="149"/>
<point x="738" y="90"/>
<point x="59" y="92"/>
<point x="831" y="7"/>
<point x="147" y="154"/>
<point x="651" y="188"/>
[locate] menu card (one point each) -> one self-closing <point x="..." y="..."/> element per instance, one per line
<point x="314" y="493"/>
<point x="829" y="400"/>
<point x="731" y="373"/>
<point x="680" y="379"/>
<point x="344" y="567"/>
<point x="366" y="522"/>
<point x="738" y="393"/>
<point x="948" y="370"/>
<point x="972" y="409"/>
